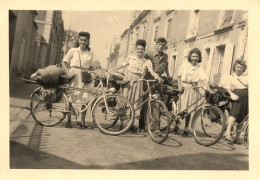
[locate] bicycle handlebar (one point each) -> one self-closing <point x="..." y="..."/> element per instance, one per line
<point x="148" y="80"/>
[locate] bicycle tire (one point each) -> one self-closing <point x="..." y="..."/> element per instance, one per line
<point x="208" y="125"/>
<point x="48" y="113"/>
<point x="158" y="124"/>
<point x="246" y="138"/>
<point x="119" y="120"/>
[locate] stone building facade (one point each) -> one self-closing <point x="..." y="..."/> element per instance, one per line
<point x="22" y="34"/>
<point x="35" y="41"/>
<point x="221" y="35"/>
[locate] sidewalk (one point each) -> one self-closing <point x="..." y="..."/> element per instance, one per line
<point x="19" y="94"/>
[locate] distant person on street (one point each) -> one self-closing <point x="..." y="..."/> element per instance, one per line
<point x="79" y="59"/>
<point x="237" y="87"/>
<point x="136" y="67"/>
<point x="159" y="61"/>
<point x="189" y="75"/>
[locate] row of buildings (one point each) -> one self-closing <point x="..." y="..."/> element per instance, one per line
<point x="221" y="35"/>
<point x="35" y="41"/>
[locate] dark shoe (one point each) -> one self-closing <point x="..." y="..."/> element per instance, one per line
<point x="140" y="130"/>
<point x="78" y="124"/>
<point x="133" y="128"/>
<point x="83" y="126"/>
<point x="175" y="130"/>
<point x="185" y="133"/>
<point x="68" y="125"/>
<point x="240" y="141"/>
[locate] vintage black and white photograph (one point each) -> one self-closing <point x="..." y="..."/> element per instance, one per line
<point x="155" y="80"/>
<point x="159" y="88"/>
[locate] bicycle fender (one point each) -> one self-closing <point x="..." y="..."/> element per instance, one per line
<point x="36" y="90"/>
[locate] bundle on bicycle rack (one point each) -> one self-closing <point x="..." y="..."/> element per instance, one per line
<point x="50" y="78"/>
<point x="219" y="98"/>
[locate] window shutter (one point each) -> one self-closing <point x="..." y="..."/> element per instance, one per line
<point x="209" y="64"/>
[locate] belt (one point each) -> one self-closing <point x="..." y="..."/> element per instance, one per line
<point x="189" y="82"/>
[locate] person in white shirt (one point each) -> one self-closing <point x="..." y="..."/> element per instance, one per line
<point x="77" y="60"/>
<point x="237" y="87"/>
<point x="190" y="74"/>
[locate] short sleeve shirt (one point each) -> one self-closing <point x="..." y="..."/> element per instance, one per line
<point x="75" y="55"/>
<point x="237" y="82"/>
<point x="137" y="65"/>
<point x="191" y="73"/>
<point x="160" y="63"/>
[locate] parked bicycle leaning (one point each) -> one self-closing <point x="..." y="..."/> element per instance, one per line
<point x="136" y="67"/>
<point x="237" y="87"/>
<point x="76" y="61"/>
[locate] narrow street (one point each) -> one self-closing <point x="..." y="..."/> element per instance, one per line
<point x="36" y="147"/>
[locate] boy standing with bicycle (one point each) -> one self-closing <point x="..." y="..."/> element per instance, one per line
<point x="159" y="60"/>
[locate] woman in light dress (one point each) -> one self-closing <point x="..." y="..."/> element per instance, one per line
<point x="77" y="60"/>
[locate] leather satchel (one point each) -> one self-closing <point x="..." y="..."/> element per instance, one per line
<point x="86" y="76"/>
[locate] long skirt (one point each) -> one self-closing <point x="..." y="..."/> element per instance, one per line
<point x="190" y="96"/>
<point x="77" y="96"/>
<point x="239" y="109"/>
<point x="134" y="89"/>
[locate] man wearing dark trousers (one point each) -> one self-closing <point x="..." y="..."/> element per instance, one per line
<point x="159" y="60"/>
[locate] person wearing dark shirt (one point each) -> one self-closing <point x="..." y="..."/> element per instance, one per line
<point x="159" y="61"/>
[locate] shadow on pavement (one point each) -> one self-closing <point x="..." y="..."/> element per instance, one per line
<point x="21" y="89"/>
<point x="171" y="142"/>
<point x="223" y="146"/>
<point x="27" y="158"/>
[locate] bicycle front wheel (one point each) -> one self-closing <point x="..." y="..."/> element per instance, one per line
<point x="48" y="113"/>
<point x="158" y="121"/>
<point x="113" y="114"/>
<point x="208" y="125"/>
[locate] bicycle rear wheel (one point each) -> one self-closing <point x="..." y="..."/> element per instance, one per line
<point x="208" y="125"/>
<point x="113" y="114"/>
<point x="48" y="113"/>
<point x="158" y="121"/>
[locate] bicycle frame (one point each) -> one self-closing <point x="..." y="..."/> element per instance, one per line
<point x="182" y="113"/>
<point x="148" y="91"/>
<point x="94" y="93"/>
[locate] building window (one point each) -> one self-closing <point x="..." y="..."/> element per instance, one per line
<point x="155" y="32"/>
<point x="221" y="51"/>
<point x="169" y="27"/>
<point x="131" y="42"/>
<point x="143" y="32"/>
<point x="206" y="58"/>
<point x="172" y="64"/>
<point x="217" y="65"/>
<point x="193" y="24"/>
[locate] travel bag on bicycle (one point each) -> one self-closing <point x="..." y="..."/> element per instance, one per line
<point x="50" y="76"/>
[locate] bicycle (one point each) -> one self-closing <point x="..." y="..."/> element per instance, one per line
<point x="224" y="102"/>
<point x="111" y="113"/>
<point x="158" y="116"/>
<point x="208" y="122"/>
